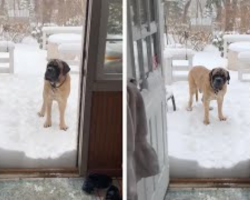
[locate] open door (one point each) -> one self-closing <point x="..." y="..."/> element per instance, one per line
<point x="145" y="64"/>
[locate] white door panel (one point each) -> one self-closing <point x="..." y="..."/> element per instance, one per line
<point x="145" y="64"/>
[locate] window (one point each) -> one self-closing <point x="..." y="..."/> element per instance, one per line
<point x="145" y="37"/>
<point x="112" y="66"/>
<point x="29" y="140"/>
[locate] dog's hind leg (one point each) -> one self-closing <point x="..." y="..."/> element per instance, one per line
<point x="192" y="91"/>
<point x="210" y="107"/>
<point x="196" y="95"/>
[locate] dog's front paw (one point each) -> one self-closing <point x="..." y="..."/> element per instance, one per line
<point x="47" y="124"/>
<point x="63" y="127"/>
<point x="189" y="109"/>
<point x="40" y="114"/>
<point x="222" y="118"/>
<point x="206" y="122"/>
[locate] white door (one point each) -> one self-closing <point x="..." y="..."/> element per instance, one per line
<point x="145" y="36"/>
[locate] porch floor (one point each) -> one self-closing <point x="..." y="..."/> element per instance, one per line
<point x="209" y="194"/>
<point x="43" y="189"/>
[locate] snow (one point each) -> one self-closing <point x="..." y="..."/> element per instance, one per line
<point x="23" y="137"/>
<point x="244" y="56"/>
<point x="5" y="45"/>
<point x="236" y="37"/>
<point x="70" y="47"/>
<point x="65" y="38"/>
<point x="29" y="40"/>
<point x="219" y="144"/>
<point x="60" y="29"/>
<point x="178" y="52"/>
<point x="114" y="49"/>
<point x="114" y="36"/>
<point x="239" y="46"/>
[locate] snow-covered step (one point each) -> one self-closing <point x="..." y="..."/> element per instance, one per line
<point x="180" y="75"/>
<point x="4" y="68"/>
<point x="7" y="56"/>
<point x="180" y="62"/>
<point x="181" y="68"/>
<point x="4" y="60"/>
<point x="177" y="59"/>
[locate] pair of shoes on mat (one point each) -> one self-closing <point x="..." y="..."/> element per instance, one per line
<point x="101" y="181"/>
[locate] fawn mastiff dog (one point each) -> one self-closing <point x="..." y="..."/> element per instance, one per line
<point x="212" y="84"/>
<point x="56" y="88"/>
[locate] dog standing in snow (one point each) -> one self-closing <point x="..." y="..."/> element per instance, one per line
<point x="56" y="88"/>
<point x="213" y="85"/>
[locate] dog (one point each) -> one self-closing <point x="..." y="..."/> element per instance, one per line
<point x="213" y="85"/>
<point x="56" y="88"/>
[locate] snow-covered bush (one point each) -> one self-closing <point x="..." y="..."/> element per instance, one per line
<point x="218" y="41"/>
<point x="37" y="33"/>
<point x="115" y="17"/>
<point x="14" y="31"/>
<point x="74" y="21"/>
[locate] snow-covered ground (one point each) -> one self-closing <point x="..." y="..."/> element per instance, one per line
<point x="220" y="144"/>
<point x="21" y="130"/>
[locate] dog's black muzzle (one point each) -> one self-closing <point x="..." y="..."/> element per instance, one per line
<point x="218" y="82"/>
<point x="51" y="74"/>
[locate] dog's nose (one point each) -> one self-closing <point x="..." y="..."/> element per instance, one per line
<point x="218" y="80"/>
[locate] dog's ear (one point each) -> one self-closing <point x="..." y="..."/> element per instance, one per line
<point x="49" y="62"/>
<point x="228" y="77"/>
<point x="66" y="68"/>
<point x="211" y="75"/>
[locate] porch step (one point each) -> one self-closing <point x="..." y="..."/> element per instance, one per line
<point x="180" y="75"/>
<point x="181" y="68"/>
<point x="4" y="60"/>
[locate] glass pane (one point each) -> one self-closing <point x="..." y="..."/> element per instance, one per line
<point x="30" y="137"/>
<point x="113" y="54"/>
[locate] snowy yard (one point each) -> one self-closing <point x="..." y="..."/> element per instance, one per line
<point x="220" y="144"/>
<point x="23" y="137"/>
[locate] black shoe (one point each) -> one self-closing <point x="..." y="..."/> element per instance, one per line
<point x="113" y="193"/>
<point x="96" y="181"/>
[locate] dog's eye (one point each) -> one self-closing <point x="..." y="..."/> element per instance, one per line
<point x="50" y="69"/>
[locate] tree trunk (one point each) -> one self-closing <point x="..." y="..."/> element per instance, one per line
<point x="218" y="12"/>
<point x="184" y="16"/>
<point x="244" y="15"/>
<point x="2" y="5"/>
<point x="230" y="15"/>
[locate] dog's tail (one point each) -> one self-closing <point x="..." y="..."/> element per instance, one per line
<point x="196" y="95"/>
